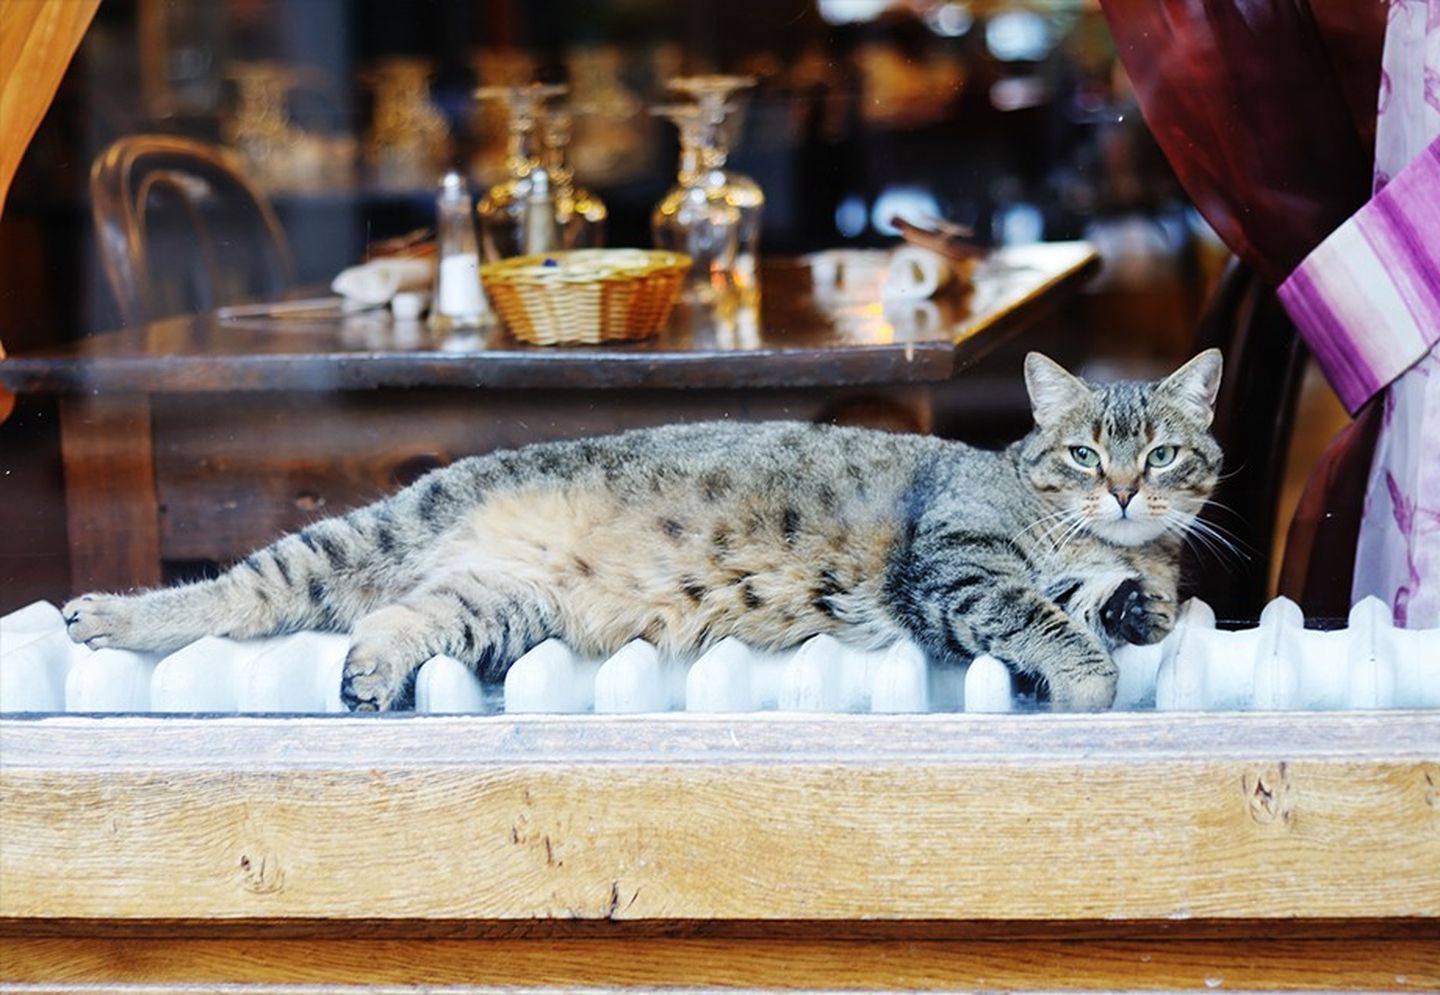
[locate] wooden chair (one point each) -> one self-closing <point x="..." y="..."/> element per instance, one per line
<point x="1255" y="412"/>
<point x="180" y="228"/>
<point x="1319" y="563"/>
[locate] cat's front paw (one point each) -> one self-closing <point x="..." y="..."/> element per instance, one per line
<point x="1137" y="614"/>
<point x="1092" y="692"/>
<point x="101" y="620"/>
<point x="370" y="684"/>
<point x="379" y="674"/>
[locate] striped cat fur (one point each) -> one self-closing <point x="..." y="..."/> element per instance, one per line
<point x="1047" y="555"/>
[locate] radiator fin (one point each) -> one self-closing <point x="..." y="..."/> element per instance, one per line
<point x="1275" y="665"/>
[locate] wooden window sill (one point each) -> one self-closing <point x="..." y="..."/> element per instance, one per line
<point x="765" y="851"/>
<point x="757" y="817"/>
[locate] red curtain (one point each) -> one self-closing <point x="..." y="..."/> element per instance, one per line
<point x="1265" y="109"/>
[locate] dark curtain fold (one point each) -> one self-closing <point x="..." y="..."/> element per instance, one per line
<point x="1265" y="109"/>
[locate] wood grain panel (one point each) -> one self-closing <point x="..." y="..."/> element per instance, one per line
<point x="766" y="964"/>
<point x="109" y="491"/>
<point x="832" y="930"/>
<point x="920" y="817"/>
<point x="236" y="471"/>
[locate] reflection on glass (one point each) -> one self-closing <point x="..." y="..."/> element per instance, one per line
<point x="729" y="319"/>
<point x="408" y="144"/>
<point x="278" y="155"/>
<point x="367" y="330"/>
<point x="488" y="119"/>
<point x="913" y="320"/>
<point x="518" y="214"/>
<point x="736" y="317"/>
<point x="712" y="95"/>
<point x="260" y="128"/>
<point x="867" y="299"/>
<point x="609" y="143"/>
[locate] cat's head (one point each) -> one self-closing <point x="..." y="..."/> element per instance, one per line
<point x="1126" y="461"/>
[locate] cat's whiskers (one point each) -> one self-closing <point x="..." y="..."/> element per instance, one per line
<point x="1052" y="521"/>
<point x="1220" y="478"/>
<point x="1225" y="537"/>
<point x="1202" y="503"/>
<point x="1207" y="537"/>
<point x="1057" y="531"/>
<point x="1077" y="526"/>
<point x="1181" y="531"/>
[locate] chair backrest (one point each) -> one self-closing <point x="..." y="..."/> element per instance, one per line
<point x="1254" y="415"/>
<point x="180" y="228"/>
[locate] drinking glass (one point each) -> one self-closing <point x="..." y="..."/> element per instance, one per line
<point x="696" y="216"/>
<point x="609" y="143"/>
<point x="408" y="143"/>
<point x="518" y="214"/>
<point x="487" y="121"/>
<point x="712" y="94"/>
<point x="260" y="129"/>
<point x="579" y="213"/>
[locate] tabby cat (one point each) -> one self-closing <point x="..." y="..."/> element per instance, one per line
<point x="1047" y="555"/>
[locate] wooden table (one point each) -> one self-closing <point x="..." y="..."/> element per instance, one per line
<point x="204" y="436"/>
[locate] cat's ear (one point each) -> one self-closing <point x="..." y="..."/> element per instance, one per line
<point x="1197" y="383"/>
<point x="1053" y="389"/>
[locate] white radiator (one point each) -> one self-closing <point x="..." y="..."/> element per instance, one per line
<point x="1278" y="664"/>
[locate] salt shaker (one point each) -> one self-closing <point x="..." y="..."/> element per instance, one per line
<point x="458" y="301"/>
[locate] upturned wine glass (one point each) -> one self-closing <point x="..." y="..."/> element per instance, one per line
<point x="696" y="216"/>
<point x="579" y="213"/>
<point x="518" y="214"/>
<point x="713" y="95"/>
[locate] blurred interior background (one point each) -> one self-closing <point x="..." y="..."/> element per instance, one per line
<point x="1011" y="117"/>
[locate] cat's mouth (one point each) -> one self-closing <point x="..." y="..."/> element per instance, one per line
<point x="1128" y="530"/>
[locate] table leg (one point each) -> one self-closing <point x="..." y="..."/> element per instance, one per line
<point x="111" y="509"/>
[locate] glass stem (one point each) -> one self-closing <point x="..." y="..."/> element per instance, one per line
<point x="692" y="152"/>
<point x="689" y="165"/>
<point x="523" y="152"/>
<point x="713" y="152"/>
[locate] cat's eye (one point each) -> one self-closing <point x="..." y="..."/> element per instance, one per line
<point x="1161" y="456"/>
<point x="1085" y="456"/>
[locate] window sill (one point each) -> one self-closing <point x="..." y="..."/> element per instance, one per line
<point x="1019" y="818"/>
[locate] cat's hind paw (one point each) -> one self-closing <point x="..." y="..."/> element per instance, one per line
<point x="1136" y="614"/>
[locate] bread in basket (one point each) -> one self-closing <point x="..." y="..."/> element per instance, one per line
<point x="585" y="296"/>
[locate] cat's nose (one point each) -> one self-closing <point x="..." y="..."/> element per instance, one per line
<point x="1123" y="496"/>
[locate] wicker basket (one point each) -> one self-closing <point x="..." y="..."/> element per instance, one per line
<point x="585" y="296"/>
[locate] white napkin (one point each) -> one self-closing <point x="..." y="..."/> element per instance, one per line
<point x="847" y="275"/>
<point x="915" y="274"/>
<point x="376" y="282"/>
<point x="907" y="273"/>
